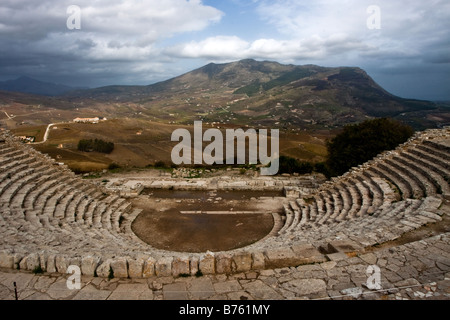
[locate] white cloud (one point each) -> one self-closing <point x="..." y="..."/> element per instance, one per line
<point x="131" y="23"/>
<point x="405" y="26"/>
<point x="233" y="48"/>
<point x="220" y="47"/>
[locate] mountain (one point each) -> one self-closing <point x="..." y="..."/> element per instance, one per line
<point x="257" y="94"/>
<point x="26" y="84"/>
<point x="267" y="93"/>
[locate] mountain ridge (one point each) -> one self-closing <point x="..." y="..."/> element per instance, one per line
<point x="26" y="84"/>
<point x="261" y="93"/>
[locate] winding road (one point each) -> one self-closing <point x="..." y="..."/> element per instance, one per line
<point x="47" y="132"/>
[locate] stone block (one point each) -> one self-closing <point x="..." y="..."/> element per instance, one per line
<point x="258" y="261"/>
<point x="89" y="264"/>
<point x="149" y="268"/>
<point x="104" y="269"/>
<point x="307" y="253"/>
<point x="120" y="267"/>
<point x="163" y="267"/>
<point x="6" y="260"/>
<point x="43" y="260"/>
<point x="223" y="263"/>
<point x="242" y="262"/>
<point x="30" y="262"/>
<point x="76" y="261"/>
<point x="194" y="265"/>
<point x="51" y="263"/>
<point x="135" y="267"/>
<point x="337" y="256"/>
<point x="292" y="257"/>
<point x="304" y="287"/>
<point x="370" y="258"/>
<point x="61" y="263"/>
<point x="17" y="258"/>
<point x="180" y="265"/>
<point x="343" y="246"/>
<point x="207" y="263"/>
<point x="280" y="258"/>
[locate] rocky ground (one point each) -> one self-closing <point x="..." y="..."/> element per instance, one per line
<point x="417" y="270"/>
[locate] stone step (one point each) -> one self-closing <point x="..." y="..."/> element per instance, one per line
<point x="8" y="197"/>
<point x="435" y="172"/>
<point x="14" y="181"/>
<point x="356" y="200"/>
<point x="44" y="183"/>
<point x="443" y="149"/>
<point x="377" y="194"/>
<point x="329" y="208"/>
<point x="297" y="215"/>
<point x="394" y="177"/>
<point x="289" y="214"/>
<point x="338" y="205"/>
<point x="430" y="158"/>
<point x="425" y="181"/>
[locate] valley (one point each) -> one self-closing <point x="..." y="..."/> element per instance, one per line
<point x="308" y="104"/>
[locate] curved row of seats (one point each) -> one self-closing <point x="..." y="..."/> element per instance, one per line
<point x="45" y="207"/>
<point x="388" y="191"/>
<point x="43" y="203"/>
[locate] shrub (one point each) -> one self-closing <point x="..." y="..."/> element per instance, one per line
<point x="113" y="166"/>
<point x="359" y="143"/>
<point x="38" y="270"/>
<point x="111" y="273"/>
<point x="184" y="275"/>
<point x="199" y="274"/>
<point x="97" y="145"/>
<point x="321" y="167"/>
<point x="292" y="165"/>
<point x="160" y="164"/>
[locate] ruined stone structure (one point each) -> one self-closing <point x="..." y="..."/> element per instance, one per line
<point x="50" y="218"/>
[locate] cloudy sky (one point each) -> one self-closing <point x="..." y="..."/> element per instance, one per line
<point x="405" y="48"/>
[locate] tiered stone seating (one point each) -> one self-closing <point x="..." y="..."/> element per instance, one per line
<point x="392" y="192"/>
<point x="47" y="196"/>
<point x="49" y="217"/>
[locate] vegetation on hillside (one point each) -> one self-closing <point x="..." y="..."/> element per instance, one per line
<point x="291" y="165"/>
<point x="359" y="143"/>
<point x="356" y="144"/>
<point x="96" y="145"/>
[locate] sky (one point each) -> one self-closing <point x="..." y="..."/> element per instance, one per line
<point x="403" y="45"/>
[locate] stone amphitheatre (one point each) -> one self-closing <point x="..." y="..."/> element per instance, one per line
<point x="380" y="213"/>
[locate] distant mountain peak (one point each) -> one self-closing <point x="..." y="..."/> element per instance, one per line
<point x="27" y="84"/>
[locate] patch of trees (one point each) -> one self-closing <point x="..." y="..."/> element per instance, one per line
<point x="355" y="145"/>
<point x="292" y="165"/>
<point x="96" y="145"/>
<point x="359" y="143"/>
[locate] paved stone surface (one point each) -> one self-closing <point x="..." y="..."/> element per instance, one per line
<point x="417" y="270"/>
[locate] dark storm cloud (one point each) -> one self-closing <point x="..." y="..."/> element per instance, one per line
<point x="115" y="39"/>
<point x="140" y="42"/>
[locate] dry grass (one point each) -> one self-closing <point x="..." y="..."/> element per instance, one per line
<point x="139" y="143"/>
<point x="36" y="131"/>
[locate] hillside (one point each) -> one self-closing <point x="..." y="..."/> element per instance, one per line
<point x="29" y="85"/>
<point x="246" y="92"/>
<point x="270" y="94"/>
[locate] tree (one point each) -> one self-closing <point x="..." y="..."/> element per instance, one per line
<point x="95" y="145"/>
<point x="292" y="165"/>
<point x="359" y="143"/>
